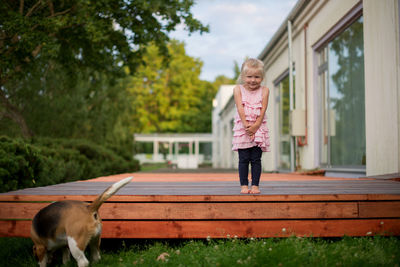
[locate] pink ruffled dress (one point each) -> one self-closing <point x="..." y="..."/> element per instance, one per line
<point x="252" y="104"/>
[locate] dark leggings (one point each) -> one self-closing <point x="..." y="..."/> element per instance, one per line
<point x="250" y="155"/>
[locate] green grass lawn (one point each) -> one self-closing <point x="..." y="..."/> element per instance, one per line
<point x="148" y="167"/>
<point x="347" y="251"/>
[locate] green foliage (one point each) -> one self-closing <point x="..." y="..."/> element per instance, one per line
<point x="92" y="106"/>
<point x="46" y="161"/>
<point x="92" y="33"/>
<point x="221" y="80"/>
<point x="170" y="98"/>
<point x="236" y="70"/>
<point x="74" y="37"/>
<point x="86" y="105"/>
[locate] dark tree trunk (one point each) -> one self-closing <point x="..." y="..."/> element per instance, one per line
<point x="12" y="112"/>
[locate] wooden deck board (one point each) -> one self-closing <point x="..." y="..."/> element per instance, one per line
<point x="196" y="206"/>
<point x="203" y="211"/>
<point x="224" y="229"/>
<point x="219" y="188"/>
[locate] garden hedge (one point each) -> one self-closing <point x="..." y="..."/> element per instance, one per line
<point x="46" y="161"/>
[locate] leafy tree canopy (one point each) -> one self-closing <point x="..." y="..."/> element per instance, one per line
<point x="170" y="98"/>
<point x="86" y="32"/>
<point x="103" y="35"/>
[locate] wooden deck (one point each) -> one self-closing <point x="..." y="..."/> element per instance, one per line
<point x="200" y="205"/>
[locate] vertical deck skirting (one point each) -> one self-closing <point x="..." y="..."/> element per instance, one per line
<point x="169" y="216"/>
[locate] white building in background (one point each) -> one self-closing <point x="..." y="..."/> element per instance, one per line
<point x="185" y="151"/>
<point x="222" y="124"/>
<point x="337" y="108"/>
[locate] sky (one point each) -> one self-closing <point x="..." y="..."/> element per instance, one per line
<point x="238" y="29"/>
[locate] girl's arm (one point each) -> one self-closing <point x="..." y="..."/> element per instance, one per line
<point x="239" y="105"/>
<point x="252" y="129"/>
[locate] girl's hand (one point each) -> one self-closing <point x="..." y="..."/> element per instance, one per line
<point x="246" y="125"/>
<point x="252" y="137"/>
<point x="252" y="129"/>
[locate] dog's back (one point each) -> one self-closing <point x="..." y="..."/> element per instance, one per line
<point x="52" y="226"/>
<point x="46" y="220"/>
<point x="59" y="217"/>
<point x="70" y="222"/>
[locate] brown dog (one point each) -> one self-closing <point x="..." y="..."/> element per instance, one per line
<point x="70" y="224"/>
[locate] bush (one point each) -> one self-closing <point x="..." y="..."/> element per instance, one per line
<point x="46" y="161"/>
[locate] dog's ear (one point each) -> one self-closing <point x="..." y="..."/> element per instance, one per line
<point x="39" y="252"/>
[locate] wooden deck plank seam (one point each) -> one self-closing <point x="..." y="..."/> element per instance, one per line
<point x="233" y="220"/>
<point x="206" y="202"/>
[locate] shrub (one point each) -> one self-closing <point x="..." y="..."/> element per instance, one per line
<point x="46" y="161"/>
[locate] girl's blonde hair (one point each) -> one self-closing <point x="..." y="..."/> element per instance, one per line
<point x="253" y="63"/>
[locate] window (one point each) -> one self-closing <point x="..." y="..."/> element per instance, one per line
<point x="283" y="110"/>
<point x="205" y="148"/>
<point x="144" y="147"/>
<point x="342" y="102"/>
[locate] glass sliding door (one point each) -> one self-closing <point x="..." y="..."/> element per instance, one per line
<point x="342" y="102"/>
<point x="283" y="108"/>
<point x="324" y="125"/>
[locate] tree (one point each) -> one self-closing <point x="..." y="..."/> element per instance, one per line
<point x="221" y="80"/>
<point x="170" y="98"/>
<point x="236" y="70"/>
<point x="93" y="106"/>
<point x="103" y="35"/>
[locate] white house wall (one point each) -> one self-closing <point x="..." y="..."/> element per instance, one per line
<point x="280" y="65"/>
<point x="382" y="90"/>
<point x="382" y="84"/>
<point x="320" y="17"/>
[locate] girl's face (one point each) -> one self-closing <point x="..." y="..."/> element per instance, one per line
<point x="252" y="78"/>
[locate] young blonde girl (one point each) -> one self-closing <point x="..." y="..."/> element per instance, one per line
<point x="250" y="137"/>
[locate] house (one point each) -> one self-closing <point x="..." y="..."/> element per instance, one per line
<point x="333" y="71"/>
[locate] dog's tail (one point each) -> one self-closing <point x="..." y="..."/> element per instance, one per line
<point x="109" y="192"/>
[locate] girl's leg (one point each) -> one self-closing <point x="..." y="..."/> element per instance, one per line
<point x="244" y="159"/>
<point x="255" y="160"/>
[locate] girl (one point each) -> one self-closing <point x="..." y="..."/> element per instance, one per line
<point x="250" y="137"/>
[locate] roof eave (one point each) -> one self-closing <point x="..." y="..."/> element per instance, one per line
<point x="300" y="5"/>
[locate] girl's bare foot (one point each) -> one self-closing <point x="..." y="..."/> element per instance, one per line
<point x="244" y="190"/>
<point x="255" y="190"/>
